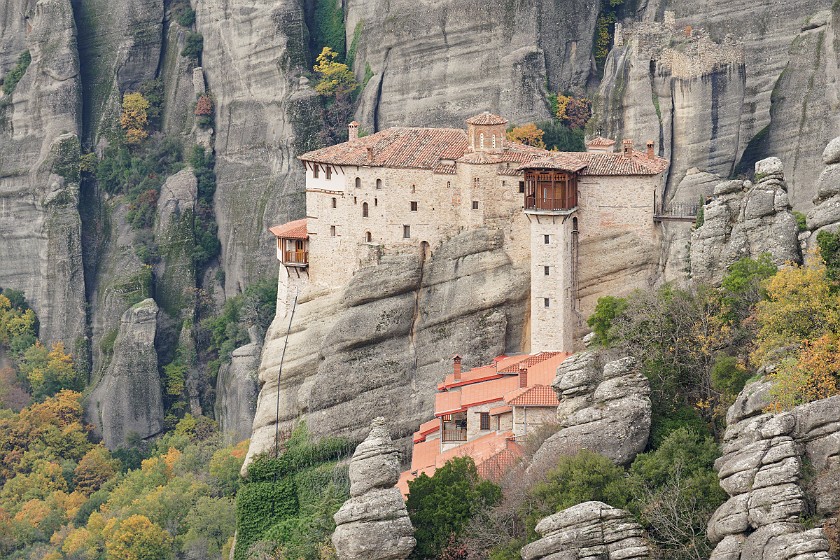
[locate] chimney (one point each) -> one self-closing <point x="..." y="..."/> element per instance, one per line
<point x="456" y="367"/>
<point x="628" y="147"/>
<point x="650" y="153"/>
<point x="370" y="155"/>
<point x="523" y="377"/>
<point x="353" y="131"/>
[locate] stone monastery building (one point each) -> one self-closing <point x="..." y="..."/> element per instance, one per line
<point x="405" y="189"/>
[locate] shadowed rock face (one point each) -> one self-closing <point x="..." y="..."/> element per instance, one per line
<point x="382" y="344"/>
<point x="236" y="392"/>
<point x="588" y="530"/>
<point x="604" y="407"/>
<point x="127" y="400"/>
<point x="826" y="211"/>
<point x="373" y="524"/>
<point x="746" y="220"/>
<point x="762" y="469"/>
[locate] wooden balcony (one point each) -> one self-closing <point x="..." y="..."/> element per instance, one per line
<point x="299" y="258"/>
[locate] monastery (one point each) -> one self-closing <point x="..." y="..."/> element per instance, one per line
<point x="409" y="189"/>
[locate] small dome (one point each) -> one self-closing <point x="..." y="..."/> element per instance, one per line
<point x="487" y="118"/>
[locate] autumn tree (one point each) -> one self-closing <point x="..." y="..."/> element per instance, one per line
<point x="50" y="370"/>
<point x="137" y="538"/>
<point x="336" y="79"/>
<point x="134" y="118"/>
<point x="96" y="467"/>
<point x="527" y="134"/>
<point x="573" y="112"/>
<point x="813" y="375"/>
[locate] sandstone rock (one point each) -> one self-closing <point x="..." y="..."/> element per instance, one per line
<point x="596" y="399"/>
<point x="588" y="530"/>
<point x="831" y="154"/>
<point x="236" y="393"/>
<point x="175" y="238"/>
<point x="373" y="524"/>
<point x="127" y="400"/>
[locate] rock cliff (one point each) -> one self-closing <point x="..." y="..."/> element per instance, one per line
<point x="826" y="211"/>
<point x="127" y="401"/>
<point x="599" y="396"/>
<point x="373" y="524"/>
<point x="236" y="392"/>
<point x="763" y="469"/>
<point x="588" y="530"/>
<point x="382" y="345"/>
<point x="746" y="220"/>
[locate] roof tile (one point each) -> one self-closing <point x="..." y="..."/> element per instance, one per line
<point x="291" y="230"/>
<point x="539" y="395"/>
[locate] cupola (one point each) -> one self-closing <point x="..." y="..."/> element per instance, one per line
<point x="486" y="132"/>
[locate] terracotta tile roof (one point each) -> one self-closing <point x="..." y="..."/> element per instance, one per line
<point x="560" y="161"/>
<point x="487" y="118"/>
<point x="530" y="360"/>
<point x="407" y="148"/>
<point x="448" y="402"/>
<point x="600" y="163"/>
<point x="426" y="428"/>
<point x="496" y="411"/>
<point x="495" y="467"/>
<point x="291" y="230"/>
<point x="539" y="395"/>
<point x="601" y="142"/>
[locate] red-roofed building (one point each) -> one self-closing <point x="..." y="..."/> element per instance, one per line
<point x="567" y="215"/>
<point x="483" y="412"/>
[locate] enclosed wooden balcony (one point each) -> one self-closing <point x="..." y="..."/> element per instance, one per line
<point x="292" y="243"/>
<point x="549" y="190"/>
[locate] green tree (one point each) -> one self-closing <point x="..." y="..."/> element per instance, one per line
<point x="829" y="244"/>
<point x="601" y="320"/>
<point x="49" y="371"/>
<point x="441" y="505"/>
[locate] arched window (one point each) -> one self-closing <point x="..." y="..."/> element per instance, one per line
<point x="481" y="140"/>
<point x="368" y="237"/>
<point x="379" y="183"/>
<point x="494" y="141"/>
<point x="376" y="202"/>
<point x="365" y="210"/>
<point x="413" y="189"/>
<point x="574" y="225"/>
<point x="358" y="183"/>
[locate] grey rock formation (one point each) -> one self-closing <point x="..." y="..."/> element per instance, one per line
<point x="391" y="333"/>
<point x="127" y="400"/>
<point x="175" y="238"/>
<point x="373" y="524"/>
<point x="474" y="56"/>
<point x="746" y="221"/>
<point x="826" y="211"/>
<point x="762" y="470"/>
<point x="604" y="407"/>
<point x="40" y="228"/>
<point x="588" y="530"/>
<point x="236" y="392"/>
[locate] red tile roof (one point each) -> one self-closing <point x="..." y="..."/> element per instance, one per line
<point x="539" y="395"/>
<point x="601" y="142"/>
<point x="561" y="161"/>
<point x="291" y="230"/>
<point x="487" y="118"/>
<point x="407" y="148"/>
<point x="600" y="163"/>
<point x="529" y="360"/>
<point x="496" y="411"/>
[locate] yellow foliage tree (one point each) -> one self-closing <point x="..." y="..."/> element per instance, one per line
<point x="336" y="79"/>
<point x="527" y="134"/>
<point x="49" y="371"/>
<point x="800" y="306"/>
<point x="573" y="112"/>
<point x="135" y="117"/>
<point x="137" y="538"/>
<point x="813" y="376"/>
<point x="13" y="321"/>
<point x="96" y="467"/>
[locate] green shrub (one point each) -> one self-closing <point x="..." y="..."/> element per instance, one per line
<point x="194" y="46"/>
<point x="441" y="505"/>
<point x="801" y="221"/>
<point x="14" y="75"/>
<point x="326" y="25"/>
<point x="682" y="416"/>
<point x="728" y="376"/>
<point x="829" y="244"/>
<point x="559" y="137"/>
<point x="606" y="310"/>
<point x="67" y="158"/>
<point x="184" y="14"/>
<point x="701" y="217"/>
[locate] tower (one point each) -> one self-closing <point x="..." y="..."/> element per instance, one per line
<point x="552" y="210"/>
<point x="486" y="132"/>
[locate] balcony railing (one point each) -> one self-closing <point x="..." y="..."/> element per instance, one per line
<point x="550" y="204"/>
<point x="454" y="434"/>
<point x="296" y="258"/>
<point x="682" y="212"/>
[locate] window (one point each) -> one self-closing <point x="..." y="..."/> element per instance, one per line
<point x="368" y="237"/>
<point x="365" y="210"/>
<point x="475" y="205"/>
<point x="547" y="239"/>
<point x="414" y="206"/>
<point x="334" y="202"/>
<point x="332" y="231"/>
<point x="448" y="184"/>
<point x="406" y="232"/>
<point x="358" y="183"/>
<point x="494" y="141"/>
<point x="522" y="186"/>
<point x="547" y="270"/>
<point x="481" y="140"/>
<point x="379" y="183"/>
<point x="476" y="182"/>
<point x="546" y="302"/>
<point x="316" y="170"/>
<point x="329" y="173"/>
<point x="485" y="420"/>
<point x="574" y="225"/>
<point x="376" y="202"/>
<point x="413" y="189"/>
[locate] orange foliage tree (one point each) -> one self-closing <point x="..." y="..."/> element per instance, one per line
<point x="573" y="112"/>
<point x="527" y="134"/>
<point x="814" y="375"/>
<point x="135" y="117"/>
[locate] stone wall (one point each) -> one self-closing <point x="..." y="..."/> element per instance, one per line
<point x="553" y="303"/>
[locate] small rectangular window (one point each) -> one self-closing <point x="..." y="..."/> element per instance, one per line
<point x="332" y="231"/>
<point x="414" y="206"/>
<point x="546" y="269"/>
<point x="546" y="302"/>
<point x="329" y="173"/>
<point x="485" y="420"/>
<point x="522" y="186"/>
<point x="475" y="205"/>
<point x="334" y="202"/>
<point x="406" y="232"/>
<point x="547" y="239"/>
<point x="316" y="170"/>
